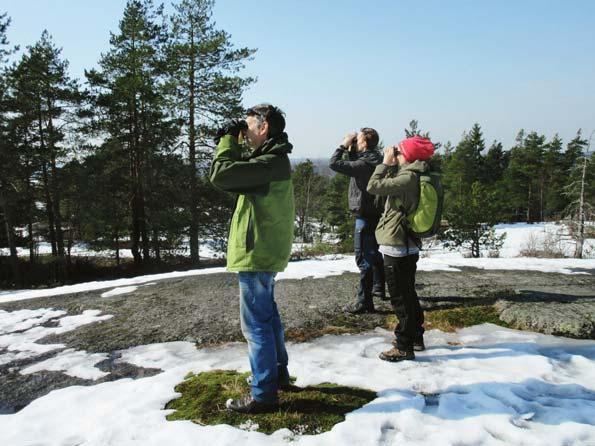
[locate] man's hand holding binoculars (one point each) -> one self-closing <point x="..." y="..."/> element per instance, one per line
<point x="350" y="142"/>
<point x="233" y="127"/>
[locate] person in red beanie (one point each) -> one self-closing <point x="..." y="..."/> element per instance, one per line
<point x="398" y="179"/>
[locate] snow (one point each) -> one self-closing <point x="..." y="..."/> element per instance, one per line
<point x="435" y="258"/>
<point x="206" y="250"/>
<point x="20" y="330"/>
<point x="320" y="267"/>
<point x="483" y="385"/>
<point x="119" y="291"/>
<point x="75" y="363"/>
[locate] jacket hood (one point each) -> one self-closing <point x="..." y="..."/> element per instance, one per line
<point x="276" y="145"/>
<point x="372" y="157"/>
<point x="416" y="166"/>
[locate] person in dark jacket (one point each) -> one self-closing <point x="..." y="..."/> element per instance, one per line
<point x="357" y="157"/>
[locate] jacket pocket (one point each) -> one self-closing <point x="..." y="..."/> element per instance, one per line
<point x="250" y="232"/>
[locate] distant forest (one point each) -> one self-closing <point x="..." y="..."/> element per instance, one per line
<point x="119" y="160"/>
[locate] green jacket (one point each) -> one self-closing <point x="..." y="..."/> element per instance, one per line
<point x="402" y="190"/>
<point x="261" y="230"/>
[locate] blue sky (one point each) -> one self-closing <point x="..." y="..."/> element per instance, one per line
<point x="336" y="66"/>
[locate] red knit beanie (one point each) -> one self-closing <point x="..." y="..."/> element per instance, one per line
<point x="416" y="148"/>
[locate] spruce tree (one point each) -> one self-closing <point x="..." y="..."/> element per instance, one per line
<point x="464" y="166"/>
<point x="553" y="178"/>
<point x="524" y="177"/>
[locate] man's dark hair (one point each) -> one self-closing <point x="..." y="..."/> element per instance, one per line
<point x="371" y="136"/>
<point x="271" y="114"/>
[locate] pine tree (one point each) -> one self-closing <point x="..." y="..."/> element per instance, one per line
<point x="309" y="189"/>
<point x="202" y="63"/>
<point x="337" y="212"/>
<point x="471" y="220"/>
<point x="46" y="101"/>
<point x="553" y="178"/>
<point x="9" y="163"/>
<point x="129" y="90"/>
<point x="580" y="190"/>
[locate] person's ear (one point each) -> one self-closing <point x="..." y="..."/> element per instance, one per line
<point x="264" y="128"/>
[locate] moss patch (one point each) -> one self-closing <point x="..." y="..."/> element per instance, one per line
<point x="451" y="319"/>
<point x="308" y="410"/>
<point x="339" y="324"/>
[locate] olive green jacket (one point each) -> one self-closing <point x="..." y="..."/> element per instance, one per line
<point x="261" y="230"/>
<point x="401" y="188"/>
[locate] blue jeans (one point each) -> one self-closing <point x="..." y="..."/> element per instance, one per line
<point x="263" y="330"/>
<point x="369" y="260"/>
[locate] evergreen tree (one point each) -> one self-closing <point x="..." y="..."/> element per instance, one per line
<point x="309" y="189"/>
<point x="524" y="177"/>
<point x="9" y="163"/>
<point x="46" y="102"/>
<point x="103" y="180"/>
<point x="554" y="178"/>
<point x="202" y="63"/>
<point x="463" y="166"/>
<point x="494" y="164"/>
<point x="337" y="210"/>
<point x="129" y="90"/>
<point x="580" y="189"/>
<point x="471" y="220"/>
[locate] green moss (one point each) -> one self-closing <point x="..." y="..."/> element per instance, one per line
<point x="341" y="323"/>
<point x="454" y="318"/>
<point x="451" y="319"/>
<point x="308" y="410"/>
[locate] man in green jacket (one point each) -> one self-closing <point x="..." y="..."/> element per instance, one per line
<point x="397" y="178"/>
<point x="259" y="244"/>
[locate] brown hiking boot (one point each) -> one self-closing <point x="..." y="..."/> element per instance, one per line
<point x="396" y="355"/>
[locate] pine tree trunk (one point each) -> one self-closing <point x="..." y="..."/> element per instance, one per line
<point x="49" y="209"/>
<point x="144" y="177"/>
<point x="145" y="242"/>
<point x="194" y="212"/>
<point x="30" y="204"/>
<point x="117" y="244"/>
<point x="49" y="206"/>
<point x="578" y="253"/>
<point x="529" y="205"/>
<point x="9" y="227"/>
<point x="156" y="245"/>
<point x="134" y="181"/>
<point x="31" y="241"/>
<point x="54" y="188"/>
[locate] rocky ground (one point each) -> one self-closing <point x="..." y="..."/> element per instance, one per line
<point x="204" y="309"/>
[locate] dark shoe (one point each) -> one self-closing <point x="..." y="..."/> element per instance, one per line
<point x="358" y="308"/>
<point x="248" y="404"/>
<point x="418" y="346"/>
<point x="283" y="383"/>
<point x="381" y="296"/>
<point x="396" y="355"/>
